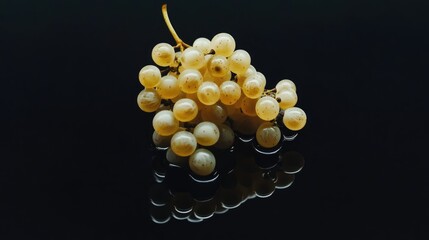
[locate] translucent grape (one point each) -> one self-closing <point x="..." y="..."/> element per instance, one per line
<point x="202" y="162"/>
<point x="190" y="80"/>
<point x="239" y="61"/>
<point x="168" y="87"/>
<point x="287" y="98"/>
<point x="223" y="44"/>
<point x="206" y="133"/>
<point x="185" y="110"/>
<point x="267" y="108"/>
<point x="285" y="84"/>
<point x="253" y="86"/>
<point x="203" y="44"/>
<point x="149" y="76"/>
<point x="164" y="123"/>
<point x="294" y="118"/>
<point x="226" y="137"/>
<point x="218" y="66"/>
<point x="148" y="100"/>
<point x="248" y="106"/>
<point x="161" y="141"/>
<point x="183" y="143"/>
<point x="192" y="58"/>
<point x="242" y="76"/>
<point x="208" y="93"/>
<point x="230" y="92"/>
<point x="268" y="135"/>
<point x="215" y="113"/>
<point x="163" y="54"/>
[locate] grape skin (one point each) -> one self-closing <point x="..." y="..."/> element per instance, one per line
<point x="208" y="93"/>
<point x="149" y="76"/>
<point x="148" y="100"/>
<point x="163" y="54"/>
<point x="164" y="123"/>
<point x="202" y="162"/>
<point x="268" y="135"/>
<point x="294" y="118"/>
<point x="183" y="143"/>
<point x="267" y="108"/>
<point x="185" y="110"/>
<point x="206" y="133"/>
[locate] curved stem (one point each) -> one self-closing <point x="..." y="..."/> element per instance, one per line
<point x="176" y="37"/>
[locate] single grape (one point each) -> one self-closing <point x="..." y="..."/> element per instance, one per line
<point x="239" y="61"/>
<point x="242" y="76"/>
<point x="208" y="93"/>
<point x="202" y="162"/>
<point x="206" y="133"/>
<point x="185" y="110"/>
<point x="253" y="86"/>
<point x="286" y="98"/>
<point x="148" y="100"/>
<point x="163" y="54"/>
<point x="267" y="108"/>
<point x="223" y="44"/>
<point x="164" y="123"/>
<point x="183" y="143"/>
<point x="285" y="84"/>
<point x="168" y="87"/>
<point x="149" y="76"/>
<point x="218" y="66"/>
<point x="215" y="113"/>
<point x="268" y="135"/>
<point x="190" y="80"/>
<point x="294" y="118"/>
<point x="230" y="92"/>
<point x="226" y="137"/>
<point x="192" y="58"/>
<point x="203" y="44"/>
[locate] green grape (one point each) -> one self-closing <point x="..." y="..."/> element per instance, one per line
<point x="230" y="92"/>
<point x="239" y="61"/>
<point x="253" y="86"/>
<point x="267" y="108"/>
<point x="190" y="80"/>
<point x="285" y="84"/>
<point x="168" y="87"/>
<point x="226" y="137"/>
<point x="148" y="100"/>
<point x="163" y="54"/>
<point x="183" y="143"/>
<point x="248" y="106"/>
<point x="206" y="133"/>
<point x="185" y="110"/>
<point x="223" y="44"/>
<point x="215" y="113"/>
<point x="287" y="98"/>
<point x="149" y="76"/>
<point x="294" y="118"/>
<point x="164" y="123"/>
<point x="208" y="93"/>
<point x="192" y="58"/>
<point x="203" y="44"/>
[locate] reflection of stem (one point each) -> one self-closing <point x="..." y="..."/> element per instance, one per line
<point x="176" y="37"/>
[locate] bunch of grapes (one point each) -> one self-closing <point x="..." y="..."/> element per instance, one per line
<point x="206" y="94"/>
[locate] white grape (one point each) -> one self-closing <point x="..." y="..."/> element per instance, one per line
<point x="164" y="123"/>
<point x="267" y="108"/>
<point x="208" y="93"/>
<point x="253" y="86"/>
<point x="230" y="92"/>
<point x="218" y="66"/>
<point x="183" y="143"/>
<point x="149" y="76"/>
<point x="268" y="135"/>
<point x="148" y="100"/>
<point x="202" y="162"/>
<point x="226" y="137"/>
<point x="294" y="118"/>
<point x="168" y="87"/>
<point x="203" y="44"/>
<point x="239" y="61"/>
<point x="206" y="133"/>
<point x="223" y="44"/>
<point x="190" y="80"/>
<point x="287" y="98"/>
<point x="185" y="110"/>
<point x="163" y="54"/>
<point x="192" y="58"/>
<point x="215" y="113"/>
<point x="285" y="84"/>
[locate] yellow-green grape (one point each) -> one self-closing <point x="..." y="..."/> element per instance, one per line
<point x="248" y="106"/>
<point x="168" y="87"/>
<point x="239" y="61"/>
<point x="253" y="86"/>
<point x="163" y="54"/>
<point x="183" y="143"/>
<point x="223" y="44"/>
<point x="203" y="44"/>
<point x="217" y="80"/>
<point x="285" y="84"/>
<point x="294" y="118"/>
<point x="215" y="113"/>
<point x="226" y="137"/>
<point x="192" y="58"/>
<point x="287" y="98"/>
<point x="206" y="133"/>
<point x="189" y="80"/>
<point x="202" y="162"/>
<point x="161" y="141"/>
<point x="230" y="92"/>
<point x="164" y="123"/>
<point x="268" y="135"/>
<point x="185" y="110"/>
<point x="149" y="76"/>
<point x="218" y="66"/>
<point x="148" y="100"/>
<point x="242" y="76"/>
<point x="208" y="93"/>
<point x="267" y="108"/>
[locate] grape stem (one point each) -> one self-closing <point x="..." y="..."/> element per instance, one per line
<point x="182" y="45"/>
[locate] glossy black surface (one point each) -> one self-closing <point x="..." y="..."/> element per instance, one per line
<point x="76" y="158"/>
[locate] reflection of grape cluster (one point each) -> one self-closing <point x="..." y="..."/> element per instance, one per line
<point x="205" y="94"/>
<point x="241" y="175"/>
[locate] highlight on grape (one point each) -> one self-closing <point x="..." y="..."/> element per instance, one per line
<point x="203" y="96"/>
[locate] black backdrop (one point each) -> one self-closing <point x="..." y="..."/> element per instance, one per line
<point x="74" y="143"/>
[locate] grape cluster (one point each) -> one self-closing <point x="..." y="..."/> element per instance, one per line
<point x="205" y="94"/>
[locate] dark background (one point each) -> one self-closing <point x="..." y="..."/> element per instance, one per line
<point x="74" y="161"/>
